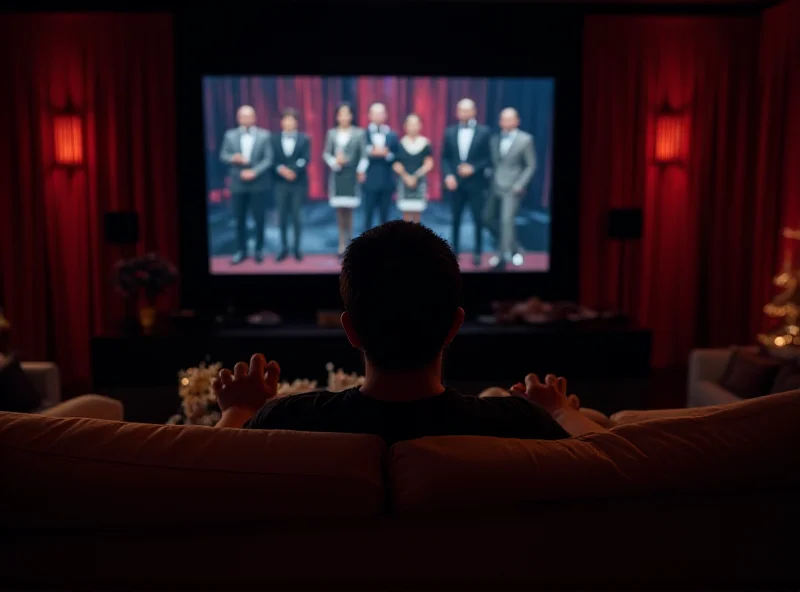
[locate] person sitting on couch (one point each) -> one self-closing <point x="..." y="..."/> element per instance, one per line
<point x="400" y="284"/>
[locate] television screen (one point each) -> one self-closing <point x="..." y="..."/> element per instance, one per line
<point x="298" y="166"/>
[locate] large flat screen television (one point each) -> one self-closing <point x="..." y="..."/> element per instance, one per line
<point x="298" y="165"/>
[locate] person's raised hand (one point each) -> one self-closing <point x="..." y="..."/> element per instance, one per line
<point x="551" y="396"/>
<point x="247" y="388"/>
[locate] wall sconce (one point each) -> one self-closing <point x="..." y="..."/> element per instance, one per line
<point x="671" y="137"/>
<point x="68" y="138"/>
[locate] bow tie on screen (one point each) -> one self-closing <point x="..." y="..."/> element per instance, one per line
<point x="383" y="129"/>
<point x="290" y="135"/>
<point x="506" y="135"/>
<point x="248" y="130"/>
<point x="469" y="125"/>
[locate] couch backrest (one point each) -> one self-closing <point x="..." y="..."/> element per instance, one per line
<point x="752" y="443"/>
<point x="83" y="472"/>
<point x="86" y="472"/>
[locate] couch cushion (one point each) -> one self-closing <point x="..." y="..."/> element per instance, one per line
<point x="788" y="378"/>
<point x="749" y="443"/>
<point x="750" y="374"/>
<point x="70" y="471"/>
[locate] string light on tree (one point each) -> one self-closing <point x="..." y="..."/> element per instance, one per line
<point x="785" y="306"/>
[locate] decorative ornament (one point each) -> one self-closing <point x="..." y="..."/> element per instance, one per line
<point x="784" y="309"/>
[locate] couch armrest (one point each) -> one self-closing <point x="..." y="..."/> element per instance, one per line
<point x="91" y="406"/>
<point x="708" y="364"/>
<point x="706" y="393"/>
<point x="46" y="380"/>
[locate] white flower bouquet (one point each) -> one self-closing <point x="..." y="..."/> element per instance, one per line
<point x="199" y="404"/>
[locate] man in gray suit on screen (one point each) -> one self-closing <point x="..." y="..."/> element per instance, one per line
<point x="513" y="163"/>
<point x="247" y="151"/>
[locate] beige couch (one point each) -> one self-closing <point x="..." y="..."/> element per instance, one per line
<point x="707" y="499"/>
<point x="706" y="367"/>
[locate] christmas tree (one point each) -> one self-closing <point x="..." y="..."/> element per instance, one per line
<point x="784" y="309"/>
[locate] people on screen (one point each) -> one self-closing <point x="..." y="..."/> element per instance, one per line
<point x="488" y="174"/>
<point x="292" y="151"/>
<point x="379" y="185"/>
<point x="513" y="165"/>
<point x="465" y="159"/>
<point x="346" y="156"/>
<point x="247" y="151"/>
<point x="413" y="162"/>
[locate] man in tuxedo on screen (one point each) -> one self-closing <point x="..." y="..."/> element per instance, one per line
<point x="465" y="158"/>
<point x="247" y="151"/>
<point x="291" y="150"/>
<point x="379" y="183"/>
<point x="513" y="165"/>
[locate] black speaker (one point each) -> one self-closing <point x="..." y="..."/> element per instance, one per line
<point x="625" y="223"/>
<point x="121" y="228"/>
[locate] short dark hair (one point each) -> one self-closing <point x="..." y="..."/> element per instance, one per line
<point x="290" y="112"/>
<point x="343" y="105"/>
<point x="401" y="285"/>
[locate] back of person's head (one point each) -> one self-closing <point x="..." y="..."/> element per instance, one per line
<point x="401" y="287"/>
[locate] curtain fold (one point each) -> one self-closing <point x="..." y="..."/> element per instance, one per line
<point x="778" y="157"/>
<point x="700" y="275"/>
<point x="117" y="71"/>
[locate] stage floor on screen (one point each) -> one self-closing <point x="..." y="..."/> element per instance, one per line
<point x="221" y="264"/>
<point x="320" y="238"/>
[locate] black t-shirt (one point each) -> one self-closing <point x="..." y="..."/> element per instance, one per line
<point x="448" y="414"/>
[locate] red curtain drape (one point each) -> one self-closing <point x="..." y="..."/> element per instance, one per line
<point x="708" y="224"/>
<point x="778" y="170"/>
<point x="117" y="71"/>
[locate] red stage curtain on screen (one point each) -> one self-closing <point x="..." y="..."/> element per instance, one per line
<point x="706" y="223"/>
<point x="432" y="98"/>
<point x="117" y="72"/>
<point x="778" y="172"/>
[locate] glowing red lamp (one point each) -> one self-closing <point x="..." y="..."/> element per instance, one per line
<point x="671" y="138"/>
<point x="68" y="140"/>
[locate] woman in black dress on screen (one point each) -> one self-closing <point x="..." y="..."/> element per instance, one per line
<point x="345" y="155"/>
<point x="413" y="161"/>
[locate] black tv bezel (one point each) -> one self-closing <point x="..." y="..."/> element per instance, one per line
<point x="505" y="50"/>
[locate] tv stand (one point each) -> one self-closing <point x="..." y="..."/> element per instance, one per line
<point x="594" y="350"/>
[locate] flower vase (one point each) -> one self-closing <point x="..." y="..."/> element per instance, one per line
<point x="147" y="318"/>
